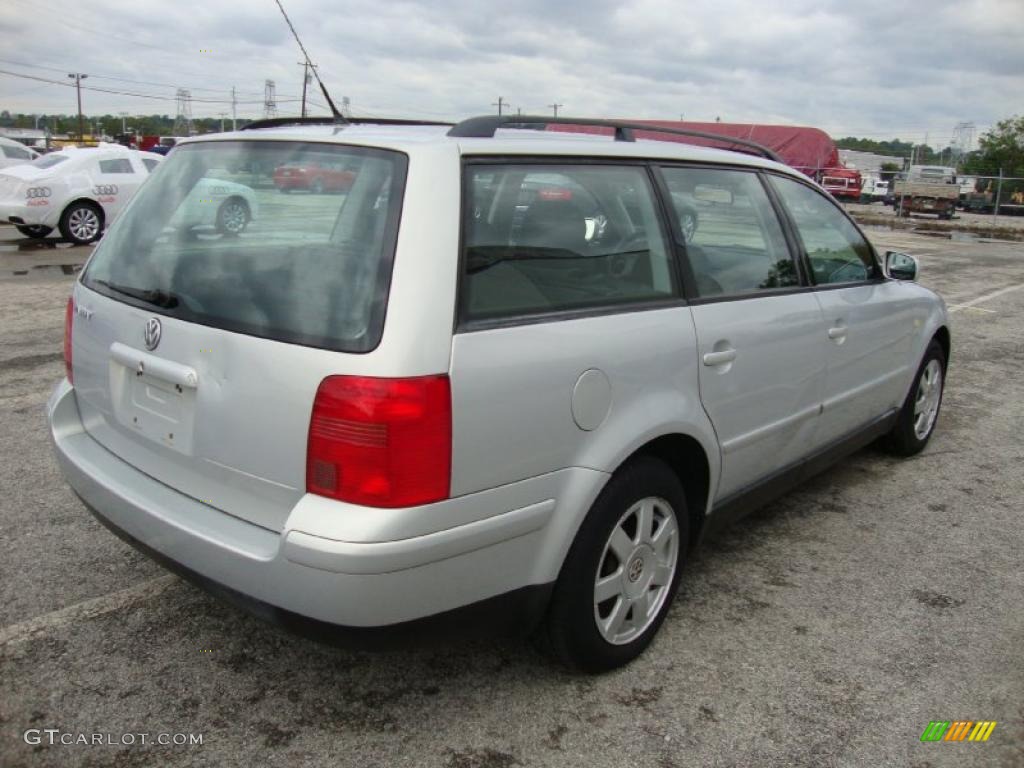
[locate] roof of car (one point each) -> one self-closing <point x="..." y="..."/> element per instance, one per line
<point x="510" y="141"/>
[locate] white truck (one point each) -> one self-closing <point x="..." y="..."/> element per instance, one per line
<point x="927" y="189"/>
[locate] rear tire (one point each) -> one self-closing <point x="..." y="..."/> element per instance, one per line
<point x="920" y="412"/>
<point x="35" y="231"/>
<point x="233" y="216"/>
<point x="81" y="223"/>
<point x="622" y="571"/>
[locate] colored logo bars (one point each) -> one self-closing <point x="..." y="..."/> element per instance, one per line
<point x="958" y="730"/>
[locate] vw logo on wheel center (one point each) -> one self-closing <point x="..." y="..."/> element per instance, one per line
<point x="151" y="333"/>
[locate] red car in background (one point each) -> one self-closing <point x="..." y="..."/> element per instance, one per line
<point x="313" y="177"/>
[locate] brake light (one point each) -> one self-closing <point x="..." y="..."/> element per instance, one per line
<point x="381" y="442"/>
<point x="69" y="316"/>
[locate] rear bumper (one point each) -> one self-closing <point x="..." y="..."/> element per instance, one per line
<point x="517" y="542"/>
<point x="23" y="213"/>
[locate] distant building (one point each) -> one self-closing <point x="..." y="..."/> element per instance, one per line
<point x="868" y="163"/>
<point x="30" y="137"/>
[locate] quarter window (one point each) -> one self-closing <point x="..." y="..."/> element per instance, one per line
<point x="150" y="164"/>
<point x="553" y="238"/>
<point x="836" y="250"/>
<point x="733" y="240"/>
<point x="119" y="165"/>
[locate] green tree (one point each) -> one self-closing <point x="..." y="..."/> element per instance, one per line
<point x="1001" y="148"/>
<point x="888" y="171"/>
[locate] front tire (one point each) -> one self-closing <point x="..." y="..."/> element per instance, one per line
<point x="622" y="571"/>
<point x="81" y="223"/>
<point x="920" y="411"/>
<point x="35" y="231"/>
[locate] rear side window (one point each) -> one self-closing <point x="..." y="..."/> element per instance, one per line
<point x="836" y="250"/>
<point x="118" y="165"/>
<point x="734" y="241"/>
<point x="544" y="239"/>
<point x="211" y="240"/>
<point x="17" y="153"/>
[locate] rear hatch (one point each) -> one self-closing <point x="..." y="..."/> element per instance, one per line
<point x="205" y="322"/>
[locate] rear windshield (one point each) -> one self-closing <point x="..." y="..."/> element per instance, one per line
<point x="216" y="237"/>
<point x="48" y="161"/>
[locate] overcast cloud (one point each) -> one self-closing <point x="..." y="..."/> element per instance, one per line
<point x="869" y="68"/>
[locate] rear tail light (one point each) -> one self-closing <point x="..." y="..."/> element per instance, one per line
<point x="381" y="442"/>
<point x="69" y="316"/>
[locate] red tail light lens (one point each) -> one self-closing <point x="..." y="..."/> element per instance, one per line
<point x="69" y="316"/>
<point x="381" y="442"/>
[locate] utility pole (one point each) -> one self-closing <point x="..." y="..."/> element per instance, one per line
<point x="78" y="78"/>
<point x="234" y="104"/>
<point x="222" y="116"/>
<point x="305" y="81"/>
<point x="555" y="107"/>
<point x="124" y="124"/>
<point x="999" y="194"/>
<point x="500" y="104"/>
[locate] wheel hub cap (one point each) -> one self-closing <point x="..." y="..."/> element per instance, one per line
<point x="636" y="570"/>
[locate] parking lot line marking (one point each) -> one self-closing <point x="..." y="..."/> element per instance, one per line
<point x="985" y="297"/>
<point x="87" y="609"/>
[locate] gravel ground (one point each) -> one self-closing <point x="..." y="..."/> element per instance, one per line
<point x="827" y="629"/>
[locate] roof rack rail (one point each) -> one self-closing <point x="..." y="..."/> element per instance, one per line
<point x="277" y="122"/>
<point x="483" y="127"/>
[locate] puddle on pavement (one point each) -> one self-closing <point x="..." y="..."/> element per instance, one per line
<point x="21" y="246"/>
<point x="47" y="270"/>
<point x="956" y="235"/>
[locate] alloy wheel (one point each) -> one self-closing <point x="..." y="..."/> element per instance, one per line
<point x="84" y="224"/>
<point x="636" y="570"/>
<point x="927" y="399"/>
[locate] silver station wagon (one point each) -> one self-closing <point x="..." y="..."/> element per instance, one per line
<point x="508" y="379"/>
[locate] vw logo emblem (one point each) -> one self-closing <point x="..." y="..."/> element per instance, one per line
<point x="151" y="333"/>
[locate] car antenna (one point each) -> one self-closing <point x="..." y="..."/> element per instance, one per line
<point x="338" y="117"/>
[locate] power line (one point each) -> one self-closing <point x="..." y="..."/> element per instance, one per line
<point x="138" y="82"/>
<point x="134" y="94"/>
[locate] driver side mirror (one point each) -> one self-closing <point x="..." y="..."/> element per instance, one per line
<point x="900" y="266"/>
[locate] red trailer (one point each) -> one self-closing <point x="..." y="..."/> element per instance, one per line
<point x="809" y="150"/>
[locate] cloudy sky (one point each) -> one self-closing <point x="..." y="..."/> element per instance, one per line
<point x="873" y="68"/>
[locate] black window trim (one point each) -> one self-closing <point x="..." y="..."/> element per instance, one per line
<point x="462" y="325"/>
<point x="689" y="281"/>
<point x="878" y="277"/>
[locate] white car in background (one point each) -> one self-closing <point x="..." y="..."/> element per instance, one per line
<point x="76" y="190"/>
<point x="15" y="153"/>
<point x="225" y="206"/>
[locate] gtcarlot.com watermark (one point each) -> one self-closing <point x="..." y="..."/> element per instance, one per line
<point x="52" y="737"/>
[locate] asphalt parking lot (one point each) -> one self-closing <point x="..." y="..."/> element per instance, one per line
<point x="826" y="630"/>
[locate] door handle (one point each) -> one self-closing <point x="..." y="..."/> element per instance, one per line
<point x="719" y="358"/>
<point x="839" y="332"/>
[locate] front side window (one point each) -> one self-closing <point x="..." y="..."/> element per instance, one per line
<point x="836" y="250"/>
<point x="544" y="239"/>
<point x="117" y="165"/>
<point x="734" y="242"/>
<point x="210" y="239"/>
